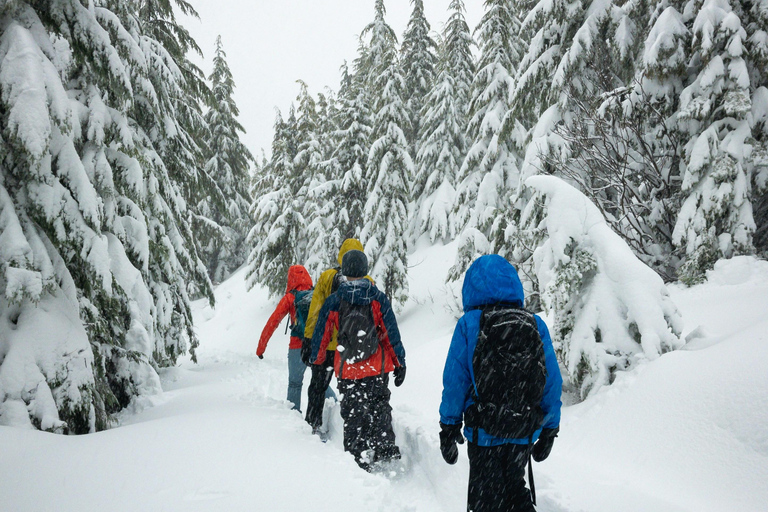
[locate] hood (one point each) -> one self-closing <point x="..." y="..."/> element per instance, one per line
<point x="348" y="245"/>
<point x="489" y="280"/>
<point x="359" y="291"/>
<point x="298" y="279"/>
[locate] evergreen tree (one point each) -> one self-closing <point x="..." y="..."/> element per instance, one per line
<point x="94" y="231"/>
<point x="276" y="237"/>
<point x="444" y="122"/>
<point x="419" y="62"/>
<point x="389" y="164"/>
<point x="349" y="159"/>
<point x="716" y="218"/>
<point x="310" y="170"/>
<point x="609" y="310"/>
<point x="227" y="163"/>
<point x="490" y="170"/>
<point x="180" y="141"/>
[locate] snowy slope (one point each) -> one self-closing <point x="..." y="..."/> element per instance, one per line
<point x="685" y="433"/>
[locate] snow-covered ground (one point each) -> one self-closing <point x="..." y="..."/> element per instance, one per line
<point x="685" y="433"/>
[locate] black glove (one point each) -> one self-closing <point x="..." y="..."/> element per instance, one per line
<point x="306" y="351"/>
<point x="399" y="375"/>
<point x="449" y="436"/>
<point x="260" y="356"/>
<point x="544" y="445"/>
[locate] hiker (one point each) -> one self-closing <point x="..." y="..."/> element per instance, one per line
<point x="295" y="303"/>
<point x="327" y="284"/>
<point x="501" y="378"/>
<point x="368" y="349"/>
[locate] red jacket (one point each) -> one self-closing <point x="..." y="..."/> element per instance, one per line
<point x="298" y="279"/>
<point x="390" y="353"/>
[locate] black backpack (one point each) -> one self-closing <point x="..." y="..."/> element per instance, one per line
<point x="301" y="302"/>
<point x="358" y="337"/>
<point x="510" y="374"/>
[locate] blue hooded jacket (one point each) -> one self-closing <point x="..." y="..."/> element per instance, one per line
<point x="490" y="279"/>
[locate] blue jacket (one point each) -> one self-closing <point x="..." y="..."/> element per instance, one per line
<point x="390" y="353"/>
<point x="490" y="279"/>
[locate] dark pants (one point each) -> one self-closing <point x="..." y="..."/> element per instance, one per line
<point x="497" y="479"/>
<point x="318" y="389"/>
<point x="367" y="415"/>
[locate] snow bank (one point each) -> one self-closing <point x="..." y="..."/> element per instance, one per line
<point x="681" y="433"/>
<point x="610" y="309"/>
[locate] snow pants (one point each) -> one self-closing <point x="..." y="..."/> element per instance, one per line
<point x="497" y="478"/>
<point x="319" y="389"/>
<point x="367" y="415"/>
<point x="296" y="369"/>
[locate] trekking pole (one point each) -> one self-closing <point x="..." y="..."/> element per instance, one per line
<point x="286" y="325"/>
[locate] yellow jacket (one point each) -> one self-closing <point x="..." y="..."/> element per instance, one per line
<point x="323" y="291"/>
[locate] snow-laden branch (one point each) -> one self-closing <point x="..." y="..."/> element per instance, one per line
<point x="610" y="310"/>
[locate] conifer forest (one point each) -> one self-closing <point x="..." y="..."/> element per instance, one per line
<point x="611" y="150"/>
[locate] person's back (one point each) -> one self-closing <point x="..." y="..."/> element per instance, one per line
<point x="369" y="348"/>
<point x="294" y="303"/>
<point x="477" y="391"/>
<point x="319" y="389"/>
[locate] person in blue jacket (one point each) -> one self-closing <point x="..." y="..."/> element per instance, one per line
<point x="497" y="465"/>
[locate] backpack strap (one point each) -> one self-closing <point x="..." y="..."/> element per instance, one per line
<point x="530" y="469"/>
<point x="288" y="320"/>
<point x="337" y="279"/>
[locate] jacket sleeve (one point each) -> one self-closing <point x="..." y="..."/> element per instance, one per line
<point x="551" y="402"/>
<point x="390" y="323"/>
<point x="457" y="379"/>
<point x="284" y="307"/>
<point x="322" y="291"/>
<point x="327" y="320"/>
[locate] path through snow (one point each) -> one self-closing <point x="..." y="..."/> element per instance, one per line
<point x="686" y="433"/>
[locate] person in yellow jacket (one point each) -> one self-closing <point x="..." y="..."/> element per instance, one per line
<point x="327" y="284"/>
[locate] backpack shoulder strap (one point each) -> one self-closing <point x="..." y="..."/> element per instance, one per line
<point x="337" y="279"/>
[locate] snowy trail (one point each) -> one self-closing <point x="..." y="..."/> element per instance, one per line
<point x="685" y="433"/>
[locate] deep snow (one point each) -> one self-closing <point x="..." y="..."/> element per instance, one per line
<point x="687" y="432"/>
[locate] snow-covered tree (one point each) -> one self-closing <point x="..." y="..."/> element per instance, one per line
<point x="443" y="145"/>
<point x="228" y="161"/>
<point x="312" y="171"/>
<point x="94" y="230"/>
<point x="490" y="170"/>
<point x="276" y="237"/>
<point x="181" y="91"/>
<point x="716" y="218"/>
<point x="389" y="164"/>
<point x="419" y="60"/>
<point x="610" y="310"/>
<point x="349" y="159"/>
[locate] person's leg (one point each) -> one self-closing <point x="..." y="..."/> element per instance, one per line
<point x="497" y="479"/>
<point x="321" y="378"/>
<point x="296" y="369"/>
<point x="329" y="393"/>
<point x="381" y="436"/>
<point x="314" y="414"/>
<point x="516" y="461"/>
<point x="353" y="412"/>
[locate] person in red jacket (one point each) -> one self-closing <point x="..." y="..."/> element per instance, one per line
<point x="368" y="350"/>
<point x="295" y="302"/>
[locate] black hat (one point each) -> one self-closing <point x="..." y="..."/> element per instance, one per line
<point x="354" y="264"/>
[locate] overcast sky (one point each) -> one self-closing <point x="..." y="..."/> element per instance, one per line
<point x="272" y="43"/>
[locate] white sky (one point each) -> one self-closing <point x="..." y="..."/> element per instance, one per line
<point x="272" y="43"/>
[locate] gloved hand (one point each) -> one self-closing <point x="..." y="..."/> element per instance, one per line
<point x="399" y="375"/>
<point x="544" y="445"/>
<point x="306" y="351"/>
<point x="260" y="356"/>
<point x="449" y="436"/>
